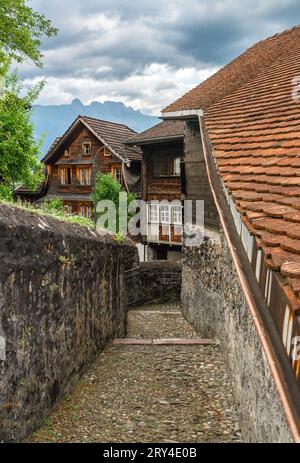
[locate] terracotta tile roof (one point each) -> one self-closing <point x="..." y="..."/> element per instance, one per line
<point x="239" y="71"/>
<point x="113" y="135"/>
<point x="163" y="131"/>
<point x="255" y="134"/>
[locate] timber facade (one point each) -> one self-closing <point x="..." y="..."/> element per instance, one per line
<point x="88" y="147"/>
<point x="162" y="188"/>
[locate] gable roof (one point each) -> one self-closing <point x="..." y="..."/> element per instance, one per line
<point x="111" y="134"/>
<point x="255" y="134"/>
<point x="253" y="123"/>
<point x="238" y="72"/>
<point x="164" y="131"/>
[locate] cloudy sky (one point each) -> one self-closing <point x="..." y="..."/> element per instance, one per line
<point x="147" y="53"/>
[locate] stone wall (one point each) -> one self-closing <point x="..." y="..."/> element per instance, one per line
<point x="160" y="282"/>
<point x="214" y="304"/>
<point x="62" y="298"/>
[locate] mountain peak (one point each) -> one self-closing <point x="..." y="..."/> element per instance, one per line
<point x="76" y="102"/>
<point x="54" y="120"/>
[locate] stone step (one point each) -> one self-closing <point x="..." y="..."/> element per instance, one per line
<point x="166" y="342"/>
<point x="157" y="308"/>
<point x="157" y="312"/>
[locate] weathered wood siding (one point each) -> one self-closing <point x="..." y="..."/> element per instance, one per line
<point x="75" y="160"/>
<point x="164" y="187"/>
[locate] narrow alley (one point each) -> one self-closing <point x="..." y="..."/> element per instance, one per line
<point x="160" y="384"/>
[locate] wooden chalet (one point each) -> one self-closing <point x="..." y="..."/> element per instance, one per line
<point x="89" y="146"/>
<point x="162" y="172"/>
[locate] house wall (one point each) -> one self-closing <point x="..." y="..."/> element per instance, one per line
<point x="159" y="188"/>
<point x="63" y="296"/>
<point x="78" y="159"/>
<point x="197" y="184"/>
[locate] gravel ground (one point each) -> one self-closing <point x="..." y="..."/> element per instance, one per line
<point x="149" y="394"/>
<point x="165" y="324"/>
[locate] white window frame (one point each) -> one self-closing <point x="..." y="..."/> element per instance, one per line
<point x="89" y="145"/>
<point x="153" y="213"/>
<point x="88" y="176"/>
<point x="117" y="174"/>
<point x="164" y="212"/>
<point x="177" y="214"/>
<point x="82" y="176"/>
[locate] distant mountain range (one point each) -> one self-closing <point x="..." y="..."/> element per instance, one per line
<point x="54" y="120"/>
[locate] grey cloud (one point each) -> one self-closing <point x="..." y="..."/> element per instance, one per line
<point x="189" y="33"/>
<point x="198" y="34"/>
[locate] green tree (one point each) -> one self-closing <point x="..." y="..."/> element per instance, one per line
<point x="55" y="205"/>
<point x="19" y="151"/>
<point x="107" y="188"/>
<point x="21" y="31"/>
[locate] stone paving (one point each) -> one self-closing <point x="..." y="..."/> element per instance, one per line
<point x="149" y="393"/>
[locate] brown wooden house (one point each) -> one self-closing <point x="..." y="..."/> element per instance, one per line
<point x="162" y="175"/>
<point x="89" y="146"/>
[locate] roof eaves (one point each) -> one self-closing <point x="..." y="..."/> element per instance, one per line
<point x="70" y="129"/>
<point x="149" y="141"/>
<point x="62" y="139"/>
<point x="182" y="115"/>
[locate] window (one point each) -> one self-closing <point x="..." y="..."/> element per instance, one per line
<point x="67" y="154"/>
<point x="86" y="211"/>
<point x="176" y="167"/>
<point x="153" y="213"/>
<point x="164" y="214"/>
<point x="82" y="210"/>
<point x="117" y="174"/>
<point x="65" y="176"/>
<point x="107" y="151"/>
<point x="87" y="148"/>
<point x="166" y="167"/>
<point x="177" y="215"/>
<point x="68" y="209"/>
<point x="82" y="176"/>
<point x="88" y="176"/>
<point x="89" y="212"/>
<point x="160" y="167"/>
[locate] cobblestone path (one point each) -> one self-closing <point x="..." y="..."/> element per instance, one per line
<point x="149" y="392"/>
